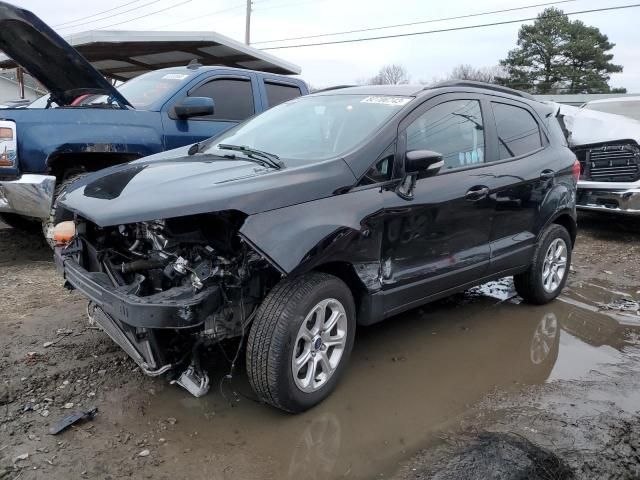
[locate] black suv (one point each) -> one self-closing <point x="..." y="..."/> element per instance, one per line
<point x="340" y="208"/>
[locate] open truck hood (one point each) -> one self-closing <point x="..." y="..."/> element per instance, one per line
<point x="34" y="45"/>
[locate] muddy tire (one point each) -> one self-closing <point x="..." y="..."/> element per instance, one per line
<point x="54" y="215"/>
<point x="549" y="271"/>
<point x="24" y="224"/>
<point x="300" y="341"/>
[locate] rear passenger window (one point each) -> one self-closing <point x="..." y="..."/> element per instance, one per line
<point x="453" y="129"/>
<point x="518" y="131"/>
<point x="233" y="98"/>
<point x="278" y="93"/>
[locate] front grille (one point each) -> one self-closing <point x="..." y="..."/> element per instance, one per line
<point x="611" y="163"/>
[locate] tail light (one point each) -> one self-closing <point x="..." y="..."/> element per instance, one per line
<point x="576" y="170"/>
<point x="64" y="232"/>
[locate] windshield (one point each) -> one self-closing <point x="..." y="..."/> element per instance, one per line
<point x="147" y="89"/>
<point x="315" y="127"/>
<point x="628" y="108"/>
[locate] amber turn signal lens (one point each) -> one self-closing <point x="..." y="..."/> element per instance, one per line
<point x="6" y="133"/>
<point x="64" y="232"/>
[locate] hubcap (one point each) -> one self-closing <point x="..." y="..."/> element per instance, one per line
<point x="319" y="345"/>
<point x="555" y="265"/>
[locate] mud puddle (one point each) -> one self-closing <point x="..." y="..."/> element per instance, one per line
<point x="408" y="380"/>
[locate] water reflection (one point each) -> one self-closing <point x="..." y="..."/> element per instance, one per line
<point x="408" y="378"/>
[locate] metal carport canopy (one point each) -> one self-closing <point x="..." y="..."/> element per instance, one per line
<point x="124" y="54"/>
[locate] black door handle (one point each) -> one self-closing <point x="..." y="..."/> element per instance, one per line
<point x="476" y="193"/>
<point x="547" y="174"/>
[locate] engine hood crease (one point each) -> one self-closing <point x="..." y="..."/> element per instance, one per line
<point x="153" y="189"/>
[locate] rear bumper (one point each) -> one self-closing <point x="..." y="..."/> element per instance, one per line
<point x="175" y="309"/>
<point x="625" y="201"/>
<point x="30" y="195"/>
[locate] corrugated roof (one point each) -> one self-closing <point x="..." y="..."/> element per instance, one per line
<point x="125" y="54"/>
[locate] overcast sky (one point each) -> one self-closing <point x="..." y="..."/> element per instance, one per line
<point x="425" y="56"/>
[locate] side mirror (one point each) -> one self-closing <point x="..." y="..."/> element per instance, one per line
<point x="418" y="164"/>
<point x="194" y="107"/>
<point x="423" y="162"/>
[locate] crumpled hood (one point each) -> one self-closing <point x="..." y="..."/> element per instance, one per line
<point x="165" y="186"/>
<point x="587" y="127"/>
<point x="34" y="45"/>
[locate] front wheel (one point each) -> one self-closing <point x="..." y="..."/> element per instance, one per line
<point x="549" y="271"/>
<point x="300" y="341"/>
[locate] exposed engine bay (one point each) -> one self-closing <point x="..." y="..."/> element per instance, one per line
<point x="169" y="289"/>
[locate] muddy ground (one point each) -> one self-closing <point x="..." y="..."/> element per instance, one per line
<point x="476" y="386"/>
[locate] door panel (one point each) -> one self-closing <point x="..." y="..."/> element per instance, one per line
<point x="520" y="187"/>
<point x="235" y="99"/>
<point x="440" y="238"/>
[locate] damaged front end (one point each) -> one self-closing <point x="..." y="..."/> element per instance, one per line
<point x="166" y="290"/>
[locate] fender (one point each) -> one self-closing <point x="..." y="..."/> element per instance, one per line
<point x="44" y="135"/>
<point x="302" y="237"/>
<point x="558" y="202"/>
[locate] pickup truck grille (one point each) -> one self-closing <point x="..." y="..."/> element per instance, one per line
<point x="611" y="163"/>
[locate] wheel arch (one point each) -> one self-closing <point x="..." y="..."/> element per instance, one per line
<point x="60" y="163"/>
<point x="566" y="220"/>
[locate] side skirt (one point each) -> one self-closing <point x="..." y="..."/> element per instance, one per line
<point x="372" y="307"/>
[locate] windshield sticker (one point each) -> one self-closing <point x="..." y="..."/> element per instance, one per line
<point x="175" y="76"/>
<point x="387" y="100"/>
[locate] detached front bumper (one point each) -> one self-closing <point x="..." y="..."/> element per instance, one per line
<point x="175" y="309"/>
<point x="621" y="199"/>
<point x="30" y="195"/>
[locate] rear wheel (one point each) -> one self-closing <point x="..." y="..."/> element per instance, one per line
<point x="24" y="224"/>
<point x="549" y="271"/>
<point x="300" y="341"/>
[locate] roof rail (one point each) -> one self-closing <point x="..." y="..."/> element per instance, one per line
<point x="335" y="87"/>
<point x="487" y="86"/>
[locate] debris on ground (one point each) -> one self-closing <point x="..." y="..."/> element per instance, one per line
<point x="66" y="422"/>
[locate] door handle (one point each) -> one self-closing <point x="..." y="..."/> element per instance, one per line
<point x="547" y="174"/>
<point x="476" y="193"/>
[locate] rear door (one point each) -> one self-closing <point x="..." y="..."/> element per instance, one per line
<point x="440" y="238"/>
<point x="236" y="98"/>
<point x="525" y="176"/>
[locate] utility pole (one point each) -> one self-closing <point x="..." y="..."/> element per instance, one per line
<point x="247" y="30"/>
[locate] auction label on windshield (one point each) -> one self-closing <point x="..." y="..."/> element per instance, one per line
<point x="387" y="100"/>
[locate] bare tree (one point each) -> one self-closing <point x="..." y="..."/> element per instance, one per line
<point x="482" y="74"/>
<point x="390" y="75"/>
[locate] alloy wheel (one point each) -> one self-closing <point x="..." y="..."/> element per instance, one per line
<point x="320" y="343"/>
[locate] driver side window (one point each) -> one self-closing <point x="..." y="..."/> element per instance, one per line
<point x="453" y="129"/>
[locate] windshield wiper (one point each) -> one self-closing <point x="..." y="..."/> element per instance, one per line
<point x="270" y="159"/>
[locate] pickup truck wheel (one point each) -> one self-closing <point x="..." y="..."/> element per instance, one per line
<point x="54" y="217"/>
<point x="24" y="224"/>
<point x="300" y="341"/>
<point x="549" y="271"/>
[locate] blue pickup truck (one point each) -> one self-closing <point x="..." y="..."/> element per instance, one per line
<point x="87" y="124"/>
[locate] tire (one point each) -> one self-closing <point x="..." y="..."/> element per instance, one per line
<point x="24" y="224"/>
<point x="532" y="284"/>
<point x="275" y="341"/>
<point x="54" y="216"/>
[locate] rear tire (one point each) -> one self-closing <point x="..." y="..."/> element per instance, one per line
<point x="549" y="270"/>
<point x="300" y="341"/>
<point x="24" y="224"/>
